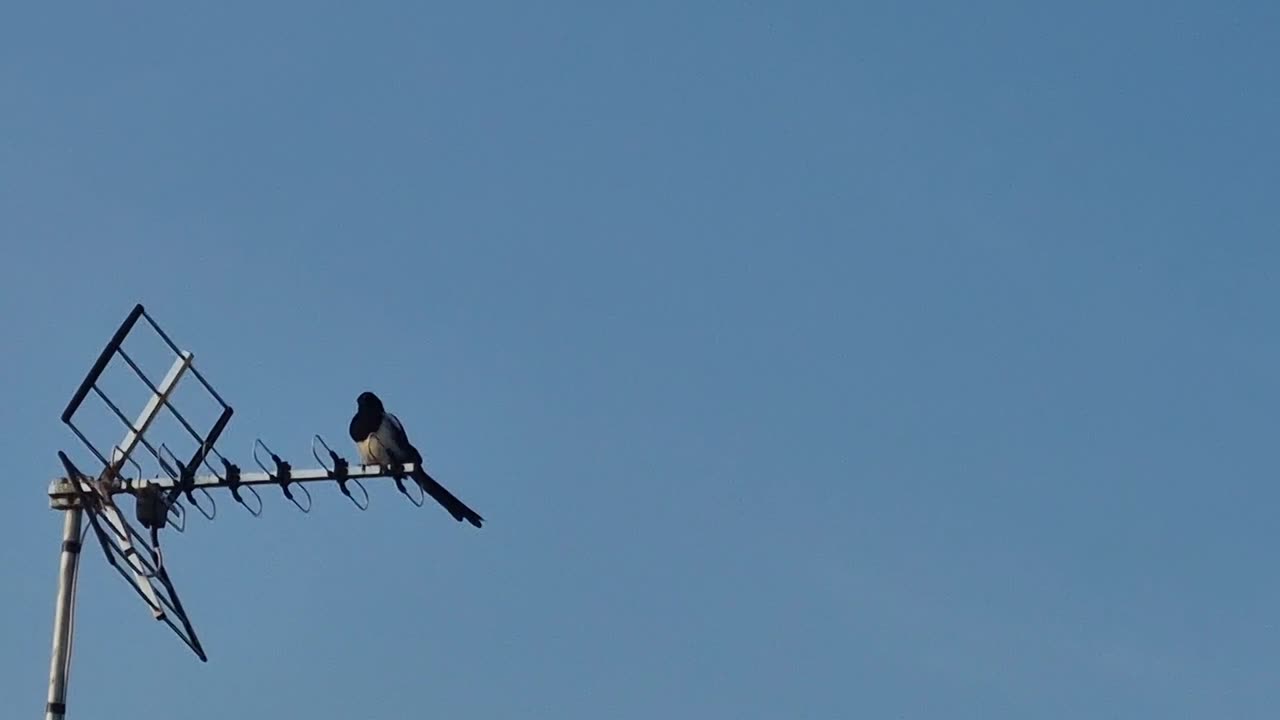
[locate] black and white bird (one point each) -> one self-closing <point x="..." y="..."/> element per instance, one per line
<point x="380" y="439"/>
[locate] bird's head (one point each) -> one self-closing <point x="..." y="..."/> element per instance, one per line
<point x="369" y="402"/>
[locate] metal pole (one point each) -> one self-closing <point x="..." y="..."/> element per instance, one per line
<point x="64" y="616"/>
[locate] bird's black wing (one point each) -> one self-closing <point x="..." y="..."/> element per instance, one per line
<point x="408" y="453"/>
<point x="403" y="449"/>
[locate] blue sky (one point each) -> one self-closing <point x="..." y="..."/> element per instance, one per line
<point x="808" y="360"/>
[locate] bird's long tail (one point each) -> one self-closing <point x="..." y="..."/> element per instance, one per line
<point x="456" y="507"/>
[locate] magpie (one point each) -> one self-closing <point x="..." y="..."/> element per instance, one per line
<point x="380" y="439"/>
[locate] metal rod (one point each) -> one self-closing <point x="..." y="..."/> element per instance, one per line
<point x="158" y="399"/>
<point x="61" y="488"/>
<point x="174" y="347"/>
<point x="101" y="363"/>
<point x="155" y="391"/>
<point x="64" y="616"/>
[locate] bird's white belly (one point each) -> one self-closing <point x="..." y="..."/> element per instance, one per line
<point x="379" y="448"/>
<point x="371" y="453"/>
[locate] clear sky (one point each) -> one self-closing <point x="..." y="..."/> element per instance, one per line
<point x="808" y="360"/>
